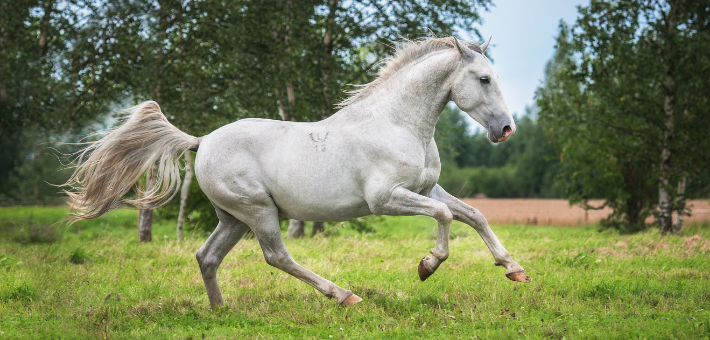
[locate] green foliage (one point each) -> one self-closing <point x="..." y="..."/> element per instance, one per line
<point x="604" y="101"/>
<point x="524" y="166"/>
<point x="154" y="290"/>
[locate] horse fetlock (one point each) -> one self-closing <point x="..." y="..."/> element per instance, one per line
<point x="440" y="255"/>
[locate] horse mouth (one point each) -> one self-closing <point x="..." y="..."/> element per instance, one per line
<point x="504" y="136"/>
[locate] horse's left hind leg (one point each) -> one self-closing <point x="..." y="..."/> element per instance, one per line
<point x="210" y="256"/>
<point x="265" y="225"/>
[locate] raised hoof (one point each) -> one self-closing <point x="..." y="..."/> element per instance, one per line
<point x="518" y="276"/>
<point x="424" y="273"/>
<point x="351" y="300"/>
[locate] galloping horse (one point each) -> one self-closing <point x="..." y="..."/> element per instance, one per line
<point x="376" y="155"/>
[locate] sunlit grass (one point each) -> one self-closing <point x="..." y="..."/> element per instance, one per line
<point x="95" y="280"/>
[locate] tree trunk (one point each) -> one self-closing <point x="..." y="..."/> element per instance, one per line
<point x="145" y="226"/>
<point x="185" y="190"/>
<point x="680" y="206"/>
<point x="162" y="28"/>
<point x="296" y="229"/>
<point x="665" y="206"/>
<point x="183" y="193"/>
<point x="3" y="39"/>
<point x="145" y="216"/>
<point x="318" y="227"/>
<point x="45" y="27"/>
<point x="328" y="58"/>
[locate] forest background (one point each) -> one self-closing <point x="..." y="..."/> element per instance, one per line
<point x="622" y="114"/>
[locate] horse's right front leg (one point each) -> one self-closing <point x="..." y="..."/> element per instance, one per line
<point x="469" y="215"/>
<point x="402" y="202"/>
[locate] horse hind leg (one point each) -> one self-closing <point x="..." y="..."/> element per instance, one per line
<point x="266" y="228"/>
<point x="210" y="255"/>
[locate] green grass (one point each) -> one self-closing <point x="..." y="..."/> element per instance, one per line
<point x="94" y="280"/>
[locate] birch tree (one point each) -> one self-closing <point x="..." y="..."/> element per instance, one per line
<point x="615" y="100"/>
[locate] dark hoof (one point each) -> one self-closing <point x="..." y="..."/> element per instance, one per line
<point x="424" y="273"/>
<point x="518" y="276"/>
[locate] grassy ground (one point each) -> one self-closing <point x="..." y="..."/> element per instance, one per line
<point x="94" y="280"/>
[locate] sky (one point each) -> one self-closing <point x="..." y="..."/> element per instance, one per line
<point x="523" y="41"/>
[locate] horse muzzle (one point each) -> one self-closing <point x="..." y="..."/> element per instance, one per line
<point x="500" y="131"/>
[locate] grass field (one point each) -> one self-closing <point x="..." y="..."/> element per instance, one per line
<point x="94" y="280"/>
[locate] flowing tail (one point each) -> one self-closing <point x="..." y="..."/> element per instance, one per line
<point x="108" y="168"/>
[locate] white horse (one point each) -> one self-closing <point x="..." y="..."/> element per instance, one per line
<point x="376" y="155"/>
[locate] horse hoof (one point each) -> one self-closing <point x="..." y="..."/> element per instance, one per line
<point x="424" y="273"/>
<point x="518" y="276"/>
<point x="351" y="300"/>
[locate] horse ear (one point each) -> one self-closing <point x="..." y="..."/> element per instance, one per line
<point x="485" y="45"/>
<point x="463" y="50"/>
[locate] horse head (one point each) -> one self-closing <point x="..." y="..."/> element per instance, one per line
<point x="476" y="90"/>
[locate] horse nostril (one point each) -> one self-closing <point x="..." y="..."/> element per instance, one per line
<point x="507" y="130"/>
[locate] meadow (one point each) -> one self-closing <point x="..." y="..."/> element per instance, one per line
<point x="94" y="280"/>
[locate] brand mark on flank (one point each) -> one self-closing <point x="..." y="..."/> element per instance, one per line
<point x="318" y="140"/>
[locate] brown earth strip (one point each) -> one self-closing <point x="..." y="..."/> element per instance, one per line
<point x="557" y="212"/>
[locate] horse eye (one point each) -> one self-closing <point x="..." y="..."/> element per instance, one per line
<point x="485" y="80"/>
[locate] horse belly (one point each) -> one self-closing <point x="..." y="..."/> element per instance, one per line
<point x="313" y="183"/>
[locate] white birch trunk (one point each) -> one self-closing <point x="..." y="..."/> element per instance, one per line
<point x="145" y="216"/>
<point x="184" y="192"/>
<point x="665" y="213"/>
<point x="680" y="204"/>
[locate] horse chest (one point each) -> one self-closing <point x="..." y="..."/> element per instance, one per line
<point x="422" y="170"/>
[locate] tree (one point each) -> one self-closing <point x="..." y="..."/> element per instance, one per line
<point x="52" y="85"/>
<point x="610" y="101"/>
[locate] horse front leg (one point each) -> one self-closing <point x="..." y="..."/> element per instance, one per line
<point x="402" y="202"/>
<point x="471" y="216"/>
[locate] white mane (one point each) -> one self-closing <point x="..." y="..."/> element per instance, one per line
<point x="406" y="52"/>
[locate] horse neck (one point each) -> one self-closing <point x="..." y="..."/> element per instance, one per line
<point x="416" y="95"/>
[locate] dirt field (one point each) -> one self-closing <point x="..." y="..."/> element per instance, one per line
<point x="556" y="211"/>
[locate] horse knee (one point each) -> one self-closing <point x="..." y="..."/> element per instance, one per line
<point x="443" y="215"/>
